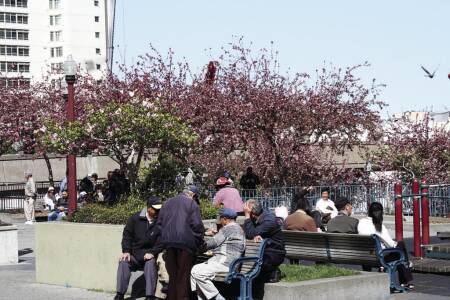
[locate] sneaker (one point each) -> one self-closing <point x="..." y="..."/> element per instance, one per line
<point x="219" y="297"/>
<point x="29" y="222"/>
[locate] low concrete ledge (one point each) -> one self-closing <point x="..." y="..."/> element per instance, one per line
<point x="9" y="248"/>
<point x="367" y="286"/>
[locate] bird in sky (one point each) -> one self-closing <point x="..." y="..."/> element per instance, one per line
<point x="430" y="75"/>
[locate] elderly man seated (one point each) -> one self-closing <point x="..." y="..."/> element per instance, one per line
<point x="226" y="245"/>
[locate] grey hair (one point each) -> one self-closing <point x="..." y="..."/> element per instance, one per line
<point x="256" y="205"/>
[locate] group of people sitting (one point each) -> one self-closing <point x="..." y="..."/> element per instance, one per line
<point x="163" y="240"/>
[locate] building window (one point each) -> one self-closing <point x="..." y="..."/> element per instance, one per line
<point x="13" y="34"/>
<point x="98" y="66"/>
<point x="14" y="82"/>
<point x="55" y="36"/>
<point x="55" y="20"/>
<point x="97" y="19"/>
<point x="56" y="52"/>
<point x="97" y="35"/>
<point x="11" y="50"/>
<point x="13" y="18"/>
<point x="97" y="50"/>
<point x="95" y="2"/>
<point x="53" y="4"/>
<point x="13" y="66"/>
<point x="14" y="3"/>
<point x="56" y="67"/>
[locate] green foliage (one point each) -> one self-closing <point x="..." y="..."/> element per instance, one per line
<point x="103" y="214"/>
<point x="207" y="209"/>
<point x="119" y="213"/>
<point x="293" y="273"/>
<point x="159" y="177"/>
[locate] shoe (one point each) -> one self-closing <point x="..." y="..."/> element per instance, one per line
<point x="119" y="297"/>
<point x="29" y="222"/>
<point x="219" y="297"/>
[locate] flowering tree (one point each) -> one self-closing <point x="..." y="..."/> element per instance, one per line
<point x="416" y="150"/>
<point x="22" y="111"/>
<point x="246" y="112"/>
<point x="116" y="120"/>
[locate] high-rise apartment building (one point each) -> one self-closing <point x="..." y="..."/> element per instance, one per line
<point x="36" y="36"/>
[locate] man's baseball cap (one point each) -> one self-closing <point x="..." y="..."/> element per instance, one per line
<point x="227" y="213"/>
<point x="194" y="189"/>
<point x="222" y="181"/>
<point x="154" y="202"/>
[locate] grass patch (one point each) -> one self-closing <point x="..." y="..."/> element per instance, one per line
<point x="293" y="273"/>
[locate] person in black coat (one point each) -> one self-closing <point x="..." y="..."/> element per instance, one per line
<point x="140" y="249"/>
<point x="262" y="224"/>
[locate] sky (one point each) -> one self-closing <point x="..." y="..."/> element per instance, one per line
<point x="395" y="37"/>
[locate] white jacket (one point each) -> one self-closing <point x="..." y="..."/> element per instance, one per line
<point x="366" y="227"/>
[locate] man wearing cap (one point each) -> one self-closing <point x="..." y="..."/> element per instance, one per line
<point x="226" y="245"/>
<point x="228" y="196"/>
<point x="140" y="249"/>
<point x="50" y="199"/>
<point x="182" y="234"/>
<point x="343" y="223"/>
<point x="30" y="197"/>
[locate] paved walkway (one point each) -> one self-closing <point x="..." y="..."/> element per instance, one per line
<point x="17" y="282"/>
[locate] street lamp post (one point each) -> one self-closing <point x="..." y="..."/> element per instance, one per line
<point x="70" y="71"/>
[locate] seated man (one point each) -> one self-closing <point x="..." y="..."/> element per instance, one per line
<point x="140" y="249"/>
<point x="326" y="207"/>
<point x="50" y="199"/>
<point x="226" y="245"/>
<point x="343" y="223"/>
<point x="57" y="215"/>
<point x="261" y="224"/>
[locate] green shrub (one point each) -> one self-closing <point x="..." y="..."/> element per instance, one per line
<point x="293" y="273"/>
<point x="120" y="212"/>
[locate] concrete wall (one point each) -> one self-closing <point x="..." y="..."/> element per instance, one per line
<point x="9" y="252"/>
<point x="86" y="256"/>
<point x="12" y="168"/>
<point x="367" y="286"/>
<point x="78" y="255"/>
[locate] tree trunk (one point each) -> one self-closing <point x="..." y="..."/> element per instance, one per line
<point x="49" y="168"/>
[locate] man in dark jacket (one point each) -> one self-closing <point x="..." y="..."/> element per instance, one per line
<point x="261" y="224"/>
<point x="343" y="223"/>
<point x="140" y="249"/>
<point x="182" y="233"/>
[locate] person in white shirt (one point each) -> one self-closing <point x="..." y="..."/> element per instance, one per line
<point x="50" y="199"/>
<point x="373" y="224"/>
<point x="326" y="206"/>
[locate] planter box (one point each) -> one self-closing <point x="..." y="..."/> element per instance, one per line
<point x="78" y="255"/>
<point x="86" y="256"/>
<point x="9" y="249"/>
<point x="367" y="286"/>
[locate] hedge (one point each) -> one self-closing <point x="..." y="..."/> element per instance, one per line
<point x="119" y="213"/>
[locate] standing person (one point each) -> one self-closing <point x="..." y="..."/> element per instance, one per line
<point x="63" y="185"/>
<point x="300" y="219"/>
<point x="373" y="224"/>
<point x="249" y="181"/>
<point x="227" y="245"/>
<point x="30" y="197"/>
<point x="261" y="224"/>
<point x="343" y="223"/>
<point x="326" y="206"/>
<point x="228" y="196"/>
<point x="140" y="249"/>
<point x="182" y="234"/>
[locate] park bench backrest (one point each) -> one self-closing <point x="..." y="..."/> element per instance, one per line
<point x="331" y="247"/>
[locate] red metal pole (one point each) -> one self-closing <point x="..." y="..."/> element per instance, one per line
<point x="71" y="158"/>
<point x="425" y="214"/>
<point x="398" y="211"/>
<point x="416" y="217"/>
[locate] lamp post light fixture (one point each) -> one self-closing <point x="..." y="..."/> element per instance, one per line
<point x="70" y="71"/>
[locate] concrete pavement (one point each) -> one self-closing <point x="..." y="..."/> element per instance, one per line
<point x="17" y="282"/>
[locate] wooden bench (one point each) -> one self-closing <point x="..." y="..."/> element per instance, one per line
<point x="244" y="268"/>
<point x="340" y="248"/>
